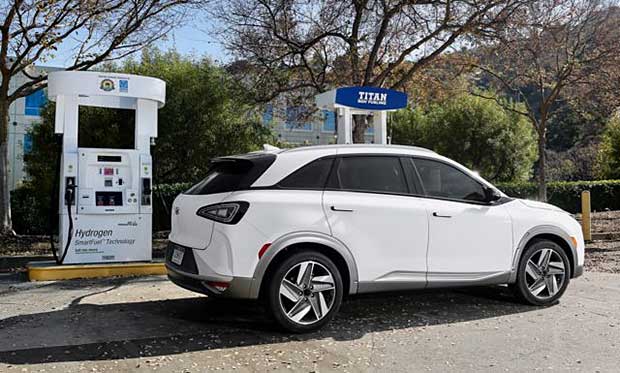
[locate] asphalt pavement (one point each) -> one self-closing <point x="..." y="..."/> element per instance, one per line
<point x="146" y="324"/>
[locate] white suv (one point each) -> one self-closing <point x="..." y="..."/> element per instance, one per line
<point x="302" y="228"/>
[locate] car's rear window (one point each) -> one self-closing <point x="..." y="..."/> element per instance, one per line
<point x="311" y="176"/>
<point x="228" y="174"/>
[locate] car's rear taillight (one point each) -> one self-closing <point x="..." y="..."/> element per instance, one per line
<point x="227" y="212"/>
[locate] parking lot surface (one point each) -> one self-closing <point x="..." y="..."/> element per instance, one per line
<point x="146" y="324"/>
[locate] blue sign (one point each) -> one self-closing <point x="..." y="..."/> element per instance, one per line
<point x="123" y="85"/>
<point x="371" y="98"/>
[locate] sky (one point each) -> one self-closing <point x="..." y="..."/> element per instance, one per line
<point x="191" y="38"/>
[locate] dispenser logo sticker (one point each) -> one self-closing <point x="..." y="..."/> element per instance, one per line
<point x="107" y="85"/>
<point x="123" y="85"/>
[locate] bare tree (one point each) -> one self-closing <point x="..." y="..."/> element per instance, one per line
<point x="308" y="46"/>
<point x="98" y="31"/>
<point x="553" y="48"/>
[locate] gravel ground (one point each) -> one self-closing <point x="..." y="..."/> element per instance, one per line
<point x="148" y="324"/>
<point x="603" y="222"/>
<point x="603" y="256"/>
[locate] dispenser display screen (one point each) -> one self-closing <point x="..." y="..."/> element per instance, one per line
<point x="109" y="198"/>
<point x="109" y="158"/>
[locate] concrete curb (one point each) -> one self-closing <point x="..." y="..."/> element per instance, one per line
<point x="49" y="270"/>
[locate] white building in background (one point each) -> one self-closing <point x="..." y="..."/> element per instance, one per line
<point x="23" y="113"/>
<point x="292" y="125"/>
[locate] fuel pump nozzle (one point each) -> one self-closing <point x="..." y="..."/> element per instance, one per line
<point x="70" y="192"/>
<point x="146" y="191"/>
<point x="70" y="187"/>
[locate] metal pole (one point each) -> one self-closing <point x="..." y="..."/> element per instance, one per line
<point x="586" y="222"/>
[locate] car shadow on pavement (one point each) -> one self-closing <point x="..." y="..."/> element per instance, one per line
<point x="84" y="331"/>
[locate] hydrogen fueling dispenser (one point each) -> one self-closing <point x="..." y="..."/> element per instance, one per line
<point x="105" y="209"/>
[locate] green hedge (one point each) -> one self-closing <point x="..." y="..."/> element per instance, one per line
<point x="604" y="194"/>
<point x="163" y="196"/>
<point x="31" y="212"/>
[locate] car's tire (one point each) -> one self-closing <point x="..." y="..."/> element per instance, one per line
<point x="304" y="292"/>
<point x="543" y="274"/>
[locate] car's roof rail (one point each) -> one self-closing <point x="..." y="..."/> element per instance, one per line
<point x="340" y="146"/>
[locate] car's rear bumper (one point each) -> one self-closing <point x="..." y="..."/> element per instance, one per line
<point x="188" y="276"/>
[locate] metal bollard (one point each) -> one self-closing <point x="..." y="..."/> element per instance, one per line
<point x="586" y="220"/>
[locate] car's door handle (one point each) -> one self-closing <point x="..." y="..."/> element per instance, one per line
<point x="334" y="208"/>
<point x="438" y="215"/>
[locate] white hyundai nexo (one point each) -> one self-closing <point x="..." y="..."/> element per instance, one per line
<point x="302" y="228"/>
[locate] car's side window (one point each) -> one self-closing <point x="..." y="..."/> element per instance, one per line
<point x="380" y="174"/>
<point x="311" y="176"/>
<point x="445" y="181"/>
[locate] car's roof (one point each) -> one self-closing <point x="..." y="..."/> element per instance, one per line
<point x="360" y="148"/>
<point x="289" y="160"/>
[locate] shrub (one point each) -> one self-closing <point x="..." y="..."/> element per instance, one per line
<point x="608" y="161"/>
<point x="163" y="196"/>
<point x="476" y="132"/>
<point x="605" y="194"/>
<point x="28" y="213"/>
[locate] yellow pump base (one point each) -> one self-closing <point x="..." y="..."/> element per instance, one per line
<point x="49" y="270"/>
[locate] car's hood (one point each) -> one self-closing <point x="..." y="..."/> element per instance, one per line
<point x="539" y="205"/>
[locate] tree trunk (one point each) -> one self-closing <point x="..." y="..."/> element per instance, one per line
<point x="360" y="124"/>
<point x="5" y="201"/>
<point x="542" y="157"/>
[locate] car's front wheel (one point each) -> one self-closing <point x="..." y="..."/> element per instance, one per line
<point x="305" y="291"/>
<point x="544" y="273"/>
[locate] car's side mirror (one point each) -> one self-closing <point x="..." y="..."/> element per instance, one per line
<point x="491" y="195"/>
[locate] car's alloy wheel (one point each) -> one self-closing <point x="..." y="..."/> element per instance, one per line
<point x="305" y="292"/>
<point x="544" y="273"/>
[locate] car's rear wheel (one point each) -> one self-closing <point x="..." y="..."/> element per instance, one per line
<point x="305" y="292"/>
<point x="543" y="274"/>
